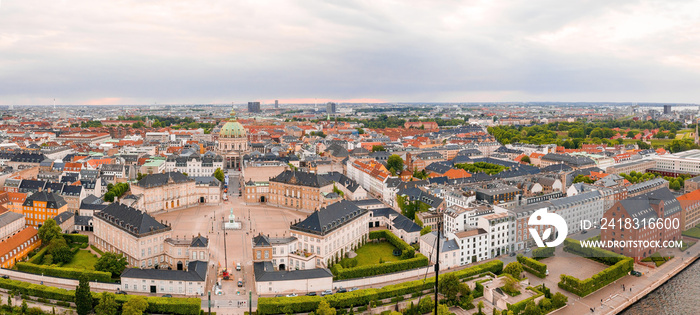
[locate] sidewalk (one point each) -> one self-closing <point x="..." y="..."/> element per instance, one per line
<point x="614" y="300"/>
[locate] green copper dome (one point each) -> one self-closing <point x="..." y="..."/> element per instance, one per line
<point x="232" y="128"/>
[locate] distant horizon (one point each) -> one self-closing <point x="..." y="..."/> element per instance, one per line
<point x="380" y="103"/>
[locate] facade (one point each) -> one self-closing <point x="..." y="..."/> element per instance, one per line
<point x="233" y="143"/>
<point x="165" y="191"/>
<point x="17" y="246"/>
<point x="369" y="174"/>
<point x="329" y="233"/>
<point x="656" y="205"/>
<point x="449" y="250"/>
<point x="194" y="164"/>
<point x="10" y="223"/>
<point x="640" y="166"/>
<point x="276" y="250"/>
<point x="268" y="280"/>
<point x="297" y="190"/>
<point x="687" y="162"/>
<point x="690" y="203"/>
<point x="144" y="281"/>
<point x="331" y="108"/>
<point x="253" y="107"/>
<point x="42" y="205"/>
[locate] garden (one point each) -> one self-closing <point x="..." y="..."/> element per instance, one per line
<point x="693" y="232"/>
<point x="387" y="260"/>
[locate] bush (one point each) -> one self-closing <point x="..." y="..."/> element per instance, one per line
<point x="37" y="259"/>
<point x="542" y="252"/>
<point x="76" y="238"/>
<point x="64" y="272"/>
<point x="520" y="306"/>
<point x="62" y="303"/>
<point x="533" y="266"/>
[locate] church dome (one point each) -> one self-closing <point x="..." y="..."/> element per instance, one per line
<point x="232" y="128"/>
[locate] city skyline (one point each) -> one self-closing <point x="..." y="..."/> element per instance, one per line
<point x="141" y="53"/>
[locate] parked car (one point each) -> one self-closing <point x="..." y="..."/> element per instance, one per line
<point x="636" y="273"/>
<point x="584" y="231"/>
<point x="279" y="295"/>
<point x="292" y="295"/>
<point x="121" y="292"/>
<point x="341" y="290"/>
<point x="512" y="254"/>
<point x="240" y="282"/>
<point x="527" y="250"/>
<point x="311" y="294"/>
<point x="327" y="292"/>
<point x="5" y="277"/>
<point x="238" y="266"/>
<point x="167" y="295"/>
<point x="353" y="289"/>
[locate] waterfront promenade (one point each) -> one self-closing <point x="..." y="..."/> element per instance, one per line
<point x="614" y="300"/>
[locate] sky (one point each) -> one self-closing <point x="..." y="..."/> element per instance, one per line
<point x="201" y="52"/>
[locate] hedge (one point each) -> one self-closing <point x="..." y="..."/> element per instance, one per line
<point x="542" y="252"/>
<point x="76" y="238"/>
<point x="305" y="304"/>
<point x="97" y="250"/>
<point x="63" y="272"/>
<point x="411" y="260"/>
<point x="533" y="266"/>
<point x="620" y="267"/>
<point x="158" y="305"/>
<point x="36" y="259"/>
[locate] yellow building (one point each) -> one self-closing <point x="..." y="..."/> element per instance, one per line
<point x="42" y="205"/>
<point x="17" y="246"/>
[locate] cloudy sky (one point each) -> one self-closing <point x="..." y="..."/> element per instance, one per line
<point x="171" y="51"/>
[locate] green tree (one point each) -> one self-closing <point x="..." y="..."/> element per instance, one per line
<point x="532" y="309"/>
<point x="442" y="308"/>
<point x="83" y="297"/>
<point x="24" y="307"/>
<point x="112" y="262"/>
<point x="219" y="174"/>
<point x="395" y="162"/>
<point x="109" y="196"/>
<point x="525" y="159"/>
<point x="59" y="250"/>
<point x="559" y="300"/>
<point x="135" y="306"/>
<point x="480" y="306"/>
<point x="510" y="286"/>
<point x="583" y="179"/>
<point x="643" y="145"/>
<point x="631" y="134"/>
<point x="139" y="176"/>
<point x="674" y="185"/>
<point x="515" y="269"/>
<point x="107" y="304"/>
<point x="49" y="230"/>
<point x="449" y="286"/>
<point x="325" y="309"/>
<point x="425" y="230"/>
<point x="378" y="147"/>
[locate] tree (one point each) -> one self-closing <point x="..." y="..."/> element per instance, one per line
<point x="139" y="176"/>
<point x="674" y="185"/>
<point x="83" y="297"/>
<point x="394" y="162"/>
<point x="532" y="309"/>
<point x="510" y="286"/>
<point x="583" y="178"/>
<point x="49" y="230"/>
<point x="425" y="230"/>
<point x="480" y="306"/>
<point x="111" y="262"/>
<point x="109" y="196"/>
<point x="59" y="250"/>
<point x="219" y="174"/>
<point x="525" y="159"/>
<point x="107" y="304"/>
<point x="24" y="307"/>
<point x="378" y="147"/>
<point x="631" y="134"/>
<point x="559" y="300"/>
<point x="135" y="306"/>
<point x="643" y="145"/>
<point x="449" y="286"/>
<point x="325" y="309"/>
<point x="515" y="269"/>
<point x="442" y="309"/>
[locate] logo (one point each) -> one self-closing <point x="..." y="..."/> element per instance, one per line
<point x="542" y="217"/>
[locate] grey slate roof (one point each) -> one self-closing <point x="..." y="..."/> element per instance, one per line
<point x="329" y="218"/>
<point x="200" y="241"/>
<point x="264" y="271"/>
<point x="52" y="200"/>
<point x="341" y="179"/>
<point x="133" y="221"/>
<point x="63" y="217"/>
<point x="196" y="271"/>
<point x="301" y="178"/>
<point x="640" y="207"/>
<point x="156" y="180"/>
<point x="9" y="217"/>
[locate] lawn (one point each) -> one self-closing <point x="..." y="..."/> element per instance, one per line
<point x="694" y="232"/>
<point x="660" y="142"/>
<point x="371" y="253"/>
<point x="83" y="259"/>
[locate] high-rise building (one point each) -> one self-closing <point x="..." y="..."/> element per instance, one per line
<point x="330" y="108"/>
<point x="667" y="109"/>
<point x="253" y="107"/>
<point x="277" y="104"/>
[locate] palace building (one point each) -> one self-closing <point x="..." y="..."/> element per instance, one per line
<point x="233" y="143"/>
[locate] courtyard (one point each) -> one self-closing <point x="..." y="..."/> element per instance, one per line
<point x="374" y="253"/>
